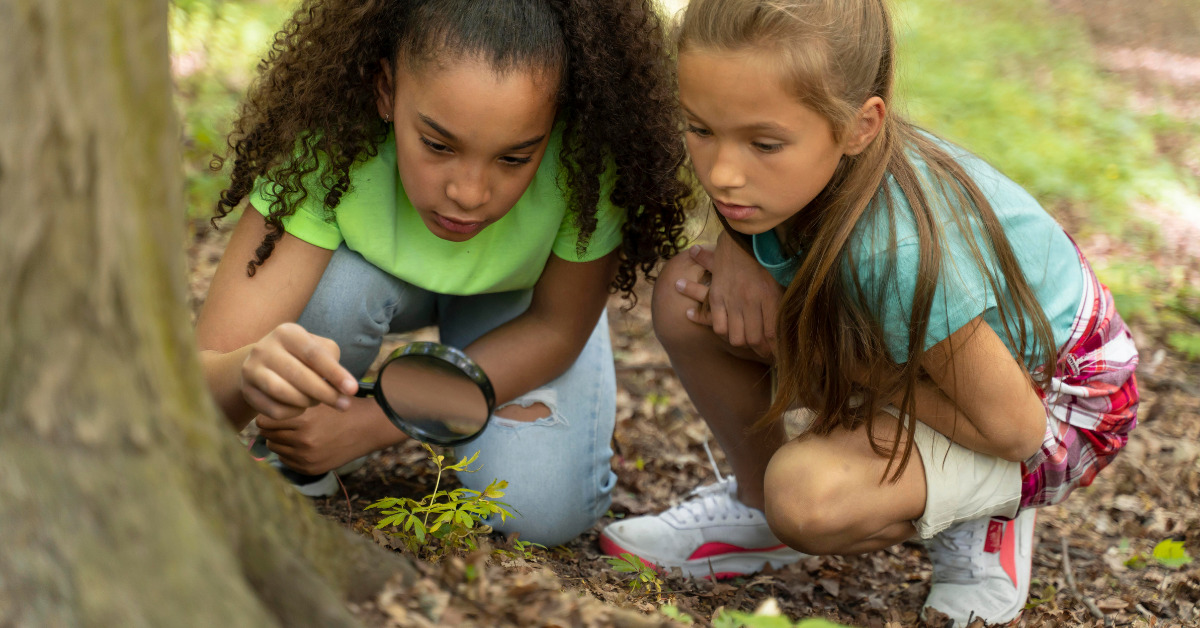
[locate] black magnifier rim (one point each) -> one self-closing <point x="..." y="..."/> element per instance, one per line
<point x="453" y="357"/>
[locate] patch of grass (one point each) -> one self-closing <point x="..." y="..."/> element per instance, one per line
<point x="1016" y="82"/>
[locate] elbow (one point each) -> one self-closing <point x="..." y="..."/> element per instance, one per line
<point x="1026" y="439"/>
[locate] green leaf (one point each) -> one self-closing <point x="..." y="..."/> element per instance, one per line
<point x="1137" y="561"/>
<point x="624" y="565"/>
<point x="1171" y="554"/>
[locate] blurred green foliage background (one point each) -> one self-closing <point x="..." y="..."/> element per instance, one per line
<point x="1013" y="80"/>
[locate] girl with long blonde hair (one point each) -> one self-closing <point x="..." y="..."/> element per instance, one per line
<point x="960" y="361"/>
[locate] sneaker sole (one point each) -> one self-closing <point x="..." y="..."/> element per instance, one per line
<point x="732" y="562"/>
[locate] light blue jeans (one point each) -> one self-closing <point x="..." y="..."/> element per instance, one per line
<point x="557" y="467"/>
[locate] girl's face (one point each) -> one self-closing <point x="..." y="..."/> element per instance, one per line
<point x="468" y="139"/>
<point x="760" y="154"/>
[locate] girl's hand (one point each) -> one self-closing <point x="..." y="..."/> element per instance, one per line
<point x="291" y="370"/>
<point x="741" y="300"/>
<point x="322" y="438"/>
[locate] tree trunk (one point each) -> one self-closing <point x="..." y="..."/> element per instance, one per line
<point x="124" y="499"/>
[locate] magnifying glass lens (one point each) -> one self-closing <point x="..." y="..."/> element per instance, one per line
<point x="433" y="398"/>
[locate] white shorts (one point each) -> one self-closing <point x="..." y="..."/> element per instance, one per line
<point x="961" y="484"/>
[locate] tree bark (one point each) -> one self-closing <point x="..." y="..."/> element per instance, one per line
<point x="124" y="500"/>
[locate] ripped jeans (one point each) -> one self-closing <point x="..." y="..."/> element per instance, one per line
<point x="557" y="467"/>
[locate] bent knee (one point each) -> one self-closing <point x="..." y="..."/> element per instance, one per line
<point x="669" y="307"/>
<point x="805" y="491"/>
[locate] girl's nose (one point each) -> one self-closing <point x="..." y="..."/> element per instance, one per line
<point x="726" y="172"/>
<point x="469" y="190"/>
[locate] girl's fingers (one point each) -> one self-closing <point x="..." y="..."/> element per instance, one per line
<point x="752" y="330"/>
<point x="736" y="329"/>
<point x="279" y="439"/>
<point x="703" y="256"/>
<point x="265" y="405"/>
<point x="270" y="427"/>
<point x="769" y="331"/>
<point x="697" y="292"/>
<point x="720" y="320"/>
<point x="286" y="387"/>
<point x="321" y="355"/>
<point x="288" y="454"/>
<point x="699" y="315"/>
<point x="311" y="383"/>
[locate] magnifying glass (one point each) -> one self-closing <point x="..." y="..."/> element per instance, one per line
<point x="434" y="393"/>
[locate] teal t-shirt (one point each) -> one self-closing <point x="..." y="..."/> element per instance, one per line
<point x="1046" y="255"/>
<point x="376" y="219"/>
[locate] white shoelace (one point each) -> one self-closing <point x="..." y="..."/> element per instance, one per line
<point x="956" y="552"/>
<point x="711" y="501"/>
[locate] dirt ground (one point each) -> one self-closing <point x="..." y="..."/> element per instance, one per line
<point x="1085" y="567"/>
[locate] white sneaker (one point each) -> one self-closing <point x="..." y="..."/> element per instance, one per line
<point x="710" y="533"/>
<point x="981" y="569"/>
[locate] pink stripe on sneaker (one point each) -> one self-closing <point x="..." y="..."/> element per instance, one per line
<point x="716" y="549"/>
<point x="1008" y="552"/>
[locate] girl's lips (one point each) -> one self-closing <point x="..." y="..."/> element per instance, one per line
<point x="457" y="226"/>
<point x="734" y="212"/>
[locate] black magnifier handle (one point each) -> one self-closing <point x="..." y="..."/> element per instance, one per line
<point x="365" y="389"/>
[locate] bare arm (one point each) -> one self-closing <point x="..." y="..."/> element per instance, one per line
<point x="979" y="396"/>
<point x="542" y="343"/>
<point x="255" y="359"/>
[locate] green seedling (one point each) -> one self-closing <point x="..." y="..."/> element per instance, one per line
<point x="644" y="576"/>
<point x="520" y="549"/>
<point x="457" y="515"/>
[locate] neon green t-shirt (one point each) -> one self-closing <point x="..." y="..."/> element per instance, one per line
<point x="376" y="219"/>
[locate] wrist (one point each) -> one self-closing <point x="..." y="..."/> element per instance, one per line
<point x="223" y="375"/>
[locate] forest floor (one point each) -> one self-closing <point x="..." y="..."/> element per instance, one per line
<point x="1107" y="575"/>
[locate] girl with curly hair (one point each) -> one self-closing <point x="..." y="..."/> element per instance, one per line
<point x="492" y="167"/>
<point x="961" y="362"/>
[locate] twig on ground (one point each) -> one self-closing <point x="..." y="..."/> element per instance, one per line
<point x="349" y="512"/>
<point x="1087" y="601"/>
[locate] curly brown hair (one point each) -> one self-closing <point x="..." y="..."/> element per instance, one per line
<point x="312" y="107"/>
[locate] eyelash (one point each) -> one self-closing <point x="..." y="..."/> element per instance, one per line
<point x="761" y="146"/>
<point x="442" y="149"/>
<point x="435" y="146"/>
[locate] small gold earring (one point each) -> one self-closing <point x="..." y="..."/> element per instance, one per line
<point x="387" y="118"/>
